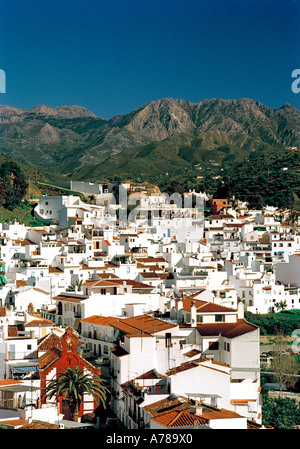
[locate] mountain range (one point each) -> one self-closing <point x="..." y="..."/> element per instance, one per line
<point x="166" y="135"/>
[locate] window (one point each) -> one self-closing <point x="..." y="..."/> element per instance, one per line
<point x="103" y="291"/>
<point x="213" y="345"/>
<point x="28" y="347"/>
<point x="105" y="349"/>
<point x="168" y="338"/>
<point x="219" y="318"/>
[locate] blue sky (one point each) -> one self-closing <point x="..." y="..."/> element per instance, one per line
<point x="113" y="56"/>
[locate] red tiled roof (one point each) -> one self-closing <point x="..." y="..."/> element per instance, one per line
<point x="179" y="419"/>
<point x="13" y="422"/>
<point x="142" y="324"/>
<point x="38" y="323"/>
<point x="20" y="283"/>
<point x="102" y="320"/>
<point x="192" y="353"/>
<point x="72" y="298"/>
<point x="9" y="382"/>
<point x="50" y="341"/>
<point x="204" y="306"/>
<point x="214" y="413"/>
<point x="48" y="358"/>
<point x="12" y="331"/>
<point x="150" y="275"/>
<point x="108" y="276"/>
<point x="55" y="270"/>
<point x="183" y="367"/>
<point x="166" y="405"/>
<point x="228" y="330"/>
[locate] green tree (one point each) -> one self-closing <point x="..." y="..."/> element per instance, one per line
<point x="73" y="286"/>
<point x="284" y="366"/>
<point x="14" y="185"/>
<point x="280" y="413"/>
<point x="71" y="385"/>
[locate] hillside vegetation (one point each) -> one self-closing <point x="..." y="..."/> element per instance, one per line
<point x="225" y="147"/>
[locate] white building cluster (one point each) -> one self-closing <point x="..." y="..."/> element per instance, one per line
<point x="162" y="297"/>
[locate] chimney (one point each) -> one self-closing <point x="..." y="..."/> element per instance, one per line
<point x="240" y="310"/>
<point x="179" y="304"/>
<point x="172" y="303"/>
<point x="193" y="314"/>
<point x="196" y="409"/>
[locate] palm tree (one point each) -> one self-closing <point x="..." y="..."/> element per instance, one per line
<point x="73" y="286"/>
<point x="71" y="385"/>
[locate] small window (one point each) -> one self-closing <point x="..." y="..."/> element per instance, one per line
<point x="220" y="318"/>
<point x="213" y="345"/>
<point x="168" y="338"/>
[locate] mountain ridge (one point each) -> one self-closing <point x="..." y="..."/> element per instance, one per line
<point x="76" y="142"/>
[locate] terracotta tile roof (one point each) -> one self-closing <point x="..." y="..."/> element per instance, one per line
<point x="48" y="342"/>
<point x="24" y="242"/>
<point x="86" y="267"/>
<point x="183" y="367"/>
<point x="215" y="413"/>
<point x="136" y="285"/>
<point x="12" y="331"/>
<point x="179" y="419"/>
<point x="9" y="382"/>
<point x="152" y="374"/>
<point x="18" y="422"/>
<point x="55" y="270"/>
<point x="151" y="259"/>
<point x="242" y="401"/>
<point x="192" y="353"/>
<point x="38" y="323"/>
<point x="115" y="282"/>
<point x="166" y="405"/>
<point x="149" y="275"/>
<point x="48" y="358"/>
<point x="108" y="276"/>
<point x="102" y="320"/>
<point x="205" y="363"/>
<point x="142" y="324"/>
<point x="2" y="311"/>
<point x="72" y="298"/>
<point x="20" y="283"/>
<point x="228" y="330"/>
<point x="205" y="306"/>
<point x="149" y="375"/>
<point x="101" y="283"/>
